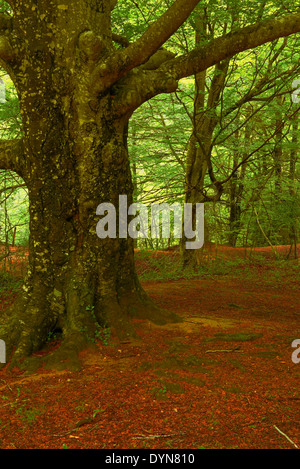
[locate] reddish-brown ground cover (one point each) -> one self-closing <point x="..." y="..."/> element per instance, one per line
<point x="222" y="378"/>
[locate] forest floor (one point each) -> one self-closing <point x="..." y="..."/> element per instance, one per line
<point x="222" y="378"/>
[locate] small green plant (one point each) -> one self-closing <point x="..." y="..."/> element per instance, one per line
<point x="51" y="336"/>
<point x="91" y="308"/>
<point x="84" y="330"/>
<point x="28" y="415"/>
<point x="103" y="334"/>
<point x="97" y="411"/>
<point x="9" y="283"/>
<point x="80" y="407"/>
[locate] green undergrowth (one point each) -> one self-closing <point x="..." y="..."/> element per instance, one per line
<point x="9" y="283"/>
<point x="168" y="267"/>
<point x="152" y="266"/>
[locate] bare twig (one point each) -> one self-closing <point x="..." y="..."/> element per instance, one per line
<point x="151" y="437"/>
<point x="264" y="234"/>
<point x="235" y="349"/>
<point x="6" y="384"/>
<point x="276" y="428"/>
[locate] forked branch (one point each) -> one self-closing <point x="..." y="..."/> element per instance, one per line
<point x="137" y="53"/>
<point x="227" y="46"/>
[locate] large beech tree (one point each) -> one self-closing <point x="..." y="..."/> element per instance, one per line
<point x="77" y="91"/>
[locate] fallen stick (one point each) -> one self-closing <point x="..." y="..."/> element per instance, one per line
<point x="151" y="437"/>
<point x="235" y="349"/>
<point x="276" y="428"/>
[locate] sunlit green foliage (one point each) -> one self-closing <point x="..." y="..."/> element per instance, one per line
<point x="256" y="96"/>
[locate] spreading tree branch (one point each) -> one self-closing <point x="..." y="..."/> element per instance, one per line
<point x="6" y="51"/>
<point x="123" y="41"/>
<point x="231" y="44"/>
<point x="11" y="189"/>
<point x="138" y="87"/>
<point x="137" y="53"/>
<point x="12" y="156"/>
<point x="205" y="56"/>
<point x="159" y="32"/>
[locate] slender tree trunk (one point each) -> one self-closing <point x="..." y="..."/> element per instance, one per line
<point x="292" y="177"/>
<point x="277" y="153"/>
<point x="236" y="190"/>
<point x="200" y="147"/>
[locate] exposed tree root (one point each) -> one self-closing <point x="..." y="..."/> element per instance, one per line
<point x="27" y="329"/>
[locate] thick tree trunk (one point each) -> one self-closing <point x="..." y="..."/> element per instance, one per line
<point x="76" y="282"/>
<point x="75" y="279"/>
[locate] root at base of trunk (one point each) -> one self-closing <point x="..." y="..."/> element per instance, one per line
<point x="27" y="331"/>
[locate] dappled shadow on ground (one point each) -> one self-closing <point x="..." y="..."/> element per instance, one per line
<point x="222" y="378"/>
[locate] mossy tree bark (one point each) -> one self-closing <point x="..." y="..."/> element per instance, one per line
<point x="77" y="93"/>
<point x="236" y="186"/>
<point x="198" y="160"/>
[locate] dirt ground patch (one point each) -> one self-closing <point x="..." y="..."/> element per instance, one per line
<point x="221" y="378"/>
